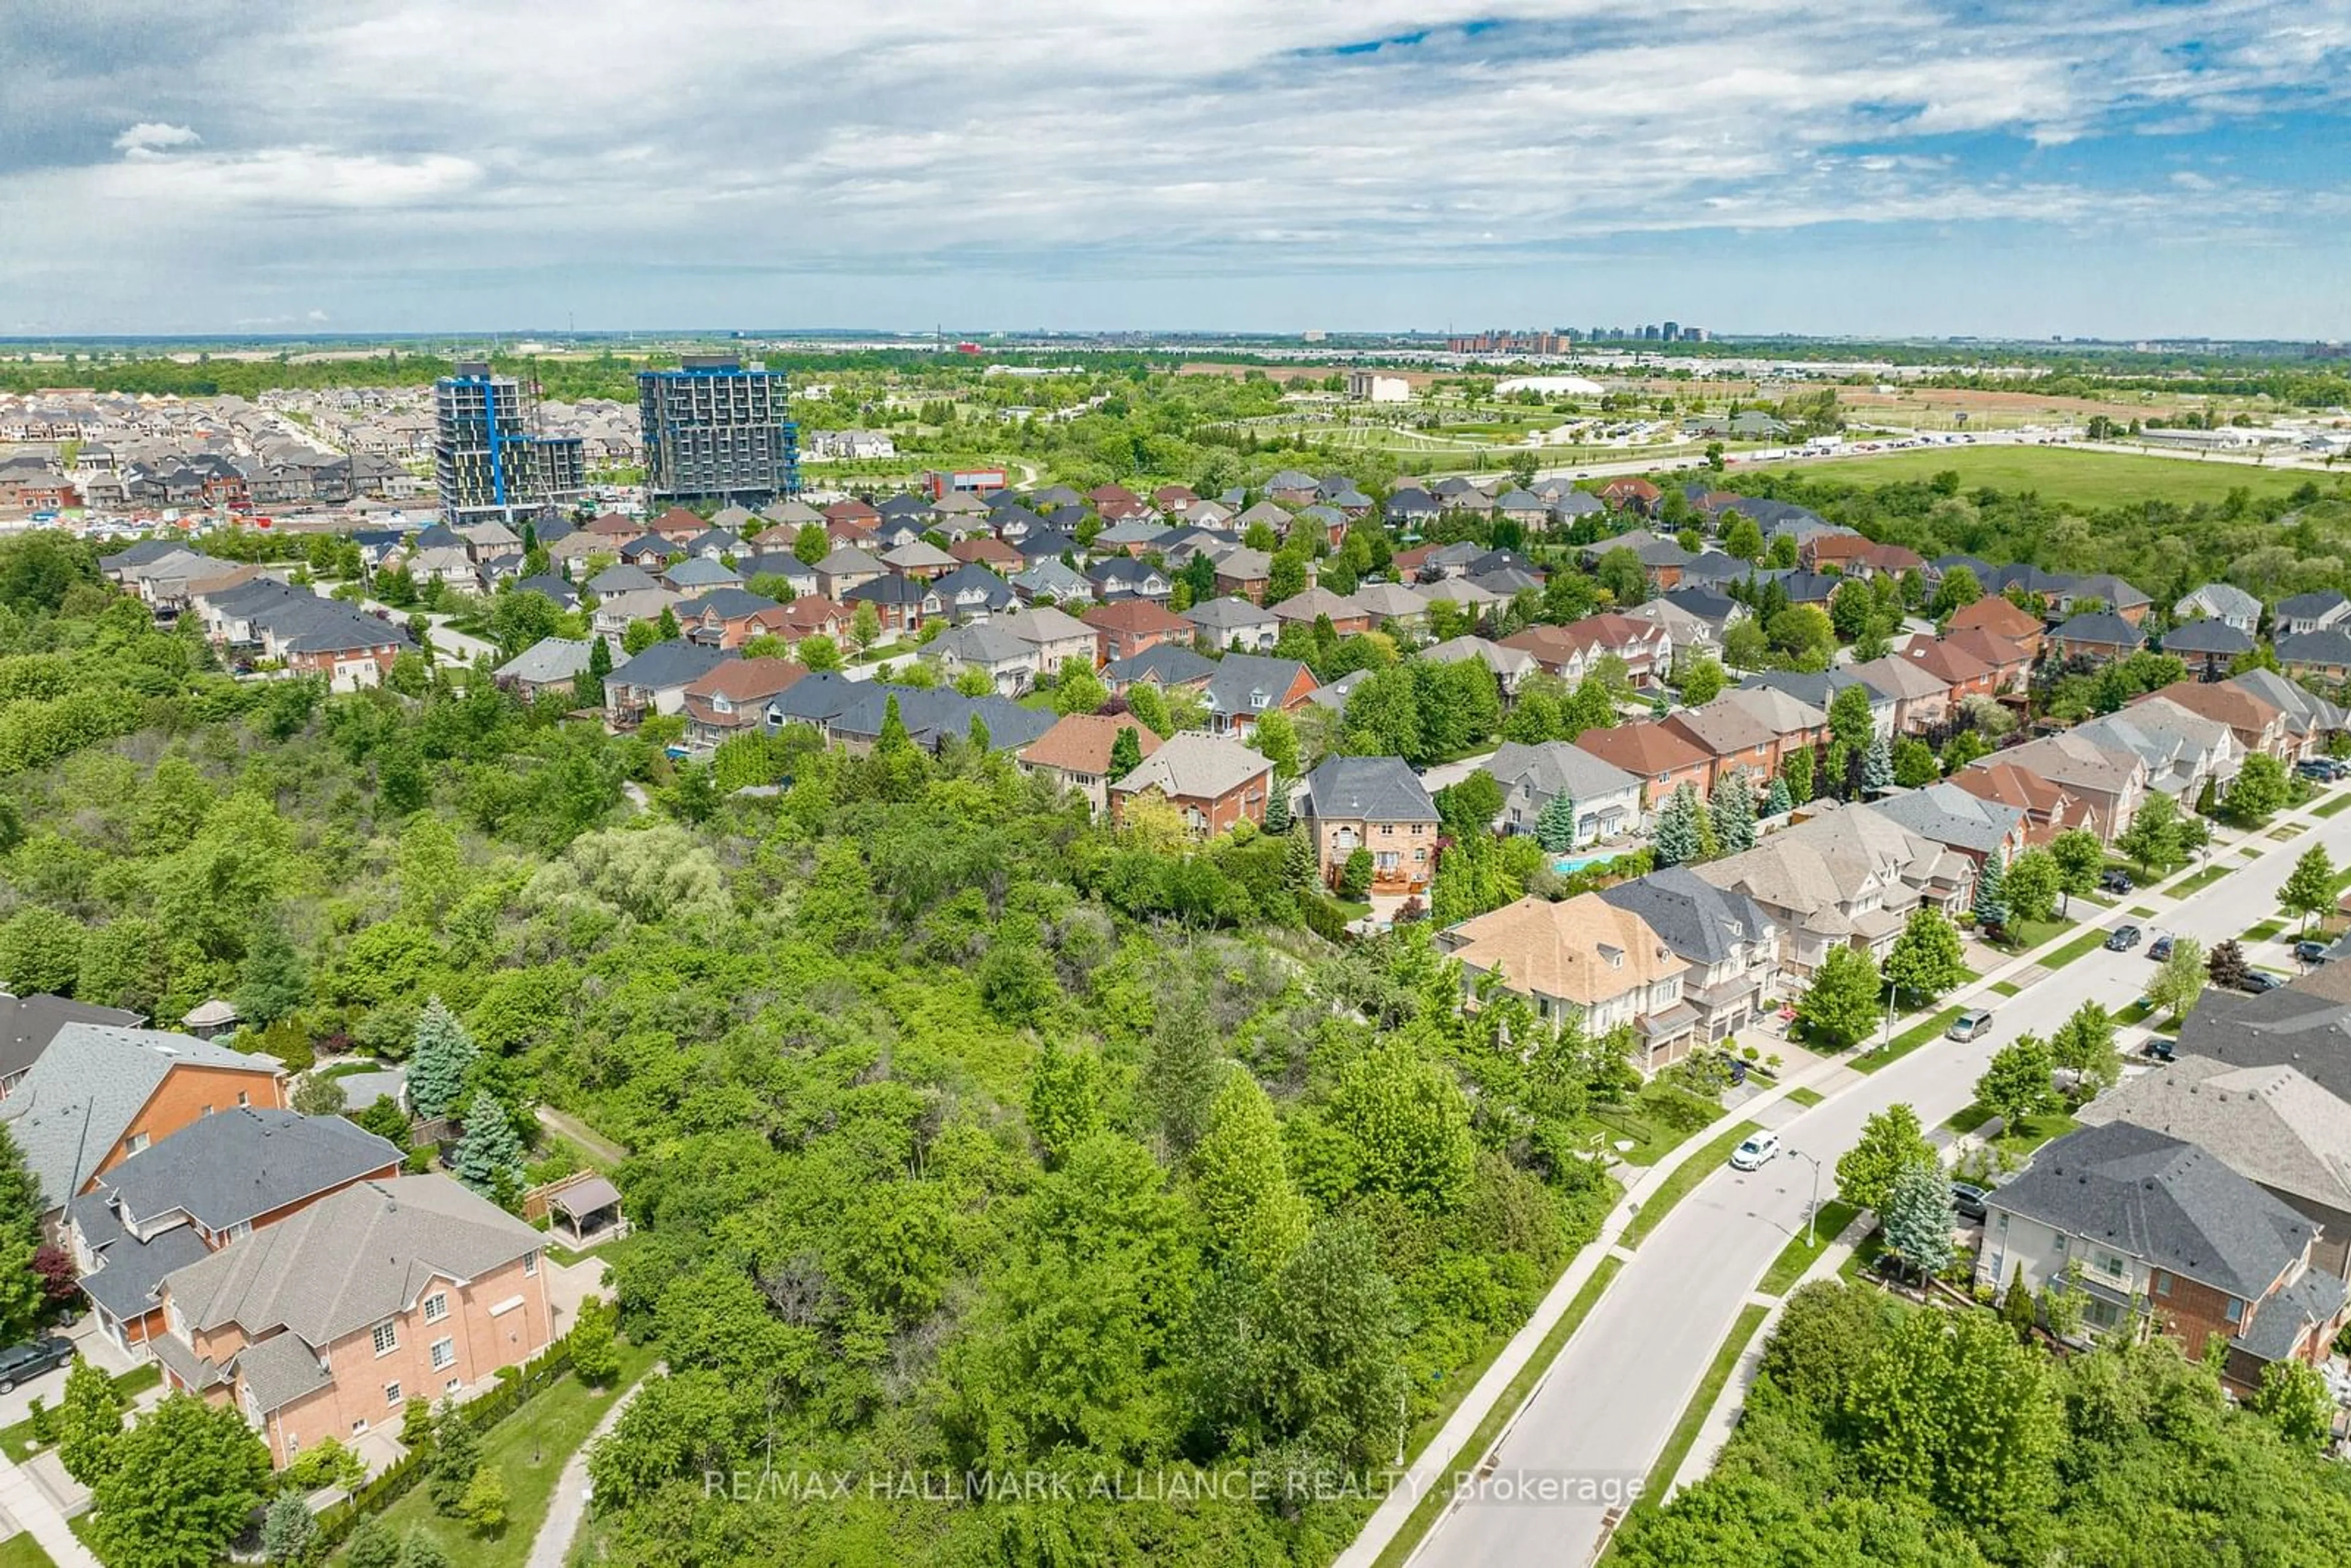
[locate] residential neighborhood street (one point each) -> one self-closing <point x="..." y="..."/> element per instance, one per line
<point x="1613" y="1398"/>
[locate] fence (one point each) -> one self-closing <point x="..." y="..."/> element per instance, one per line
<point x="400" y="1478"/>
<point x="538" y="1200"/>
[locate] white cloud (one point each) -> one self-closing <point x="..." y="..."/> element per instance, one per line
<point x="151" y="136"/>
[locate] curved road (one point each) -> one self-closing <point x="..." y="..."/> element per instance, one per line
<point x="1613" y="1398"/>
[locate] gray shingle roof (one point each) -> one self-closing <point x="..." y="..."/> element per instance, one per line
<point x="1950" y="815"/>
<point x="2102" y="627"/>
<point x="2271" y="1124"/>
<point x="129" y="1269"/>
<point x="1701" y="922"/>
<point x="2330" y="646"/>
<point x="1231" y="613"/>
<point x="549" y="659"/>
<point x="662" y="666"/>
<point x="1376" y="789"/>
<point x="1168" y="663"/>
<point x="79" y="1098"/>
<point x="1242" y="679"/>
<point x="1195" y="766"/>
<point x="27" y="1024"/>
<point x="1554" y="766"/>
<point x="2162" y="1200"/>
<point x="352" y="1259"/>
<point x="242" y="1162"/>
<point x="2207" y="637"/>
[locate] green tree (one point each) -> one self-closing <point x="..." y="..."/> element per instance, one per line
<point x="1079" y="689"/>
<point x="1991" y="907"/>
<point x="1840" y="1008"/>
<point x="1356" y="877"/>
<point x="587" y="686"/>
<point x="89" y="1424"/>
<point x="41" y="952"/>
<point x="2016" y="1307"/>
<point x="1382" y="717"/>
<point x="2309" y="890"/>
<point x="1949" y="1409"/>
<point x="1741" y="538"/>
<point x="2030" y="886"/>
<point x="819" y="652"/>
<point x="2079" y="858"/>
<point x="2085" y="1045"/>
<point x="288" y="1532"/>
<point x="595" y="1354"/>
<point x="185" y="1479"/>
<point x="441" y="1053"/>
<point x="2293" y="1398"/>
<point x="864" y="625"/>
<point x="1777" y="802"/>
<point x="274" y="980"/>
<point x="1468" y="809"/>
<point x="1674" y="839"/>
<point x="1125" y="751"/>
<point x="1555" y="824"/>
<point x="1959" y="589"/>
<point x="811" y="544"/>
<point x="1927" y="959"/>
<point x="1914" y="763"/>
<point x="1796" y="774"/>
<point x="1274" y="737"/>
<point x="2016" y="1083"/>
<point x="2179" y="982"/>
<point x="456" y="1455"/>
<point x="421" y="1551"/>
<point x="1890" y="1140"/>
<point x="2152" y="840"/>
<point x="1917" y="1218"/>
<point x="1254" y="1216"/>
<point x="2259" y="791"/>
<point x="2227" y="966"/>
<point x="371" y="1545"/>
<point x="1702" y="679"/>
<point x="1187" y="1064"/>
<point x="1731" y="811"/>
<point x="1876" y="766"/>
<point x="489" y="1156"/>
<point x="1409" y="1127"/>
<point x="483" y="1506"/>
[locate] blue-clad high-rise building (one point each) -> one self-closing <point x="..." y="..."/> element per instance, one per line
<point x="489" y="460"/>
<point x="716" y="429"/>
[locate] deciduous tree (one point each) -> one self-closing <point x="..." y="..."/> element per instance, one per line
<point x="1890" y="1140"/>
<point x="1840" y="1006"/>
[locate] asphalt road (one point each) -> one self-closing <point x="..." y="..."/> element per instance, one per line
<point x="1614" y="1395"/>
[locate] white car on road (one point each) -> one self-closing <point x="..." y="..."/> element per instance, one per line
<point x="1755" y="1152"/>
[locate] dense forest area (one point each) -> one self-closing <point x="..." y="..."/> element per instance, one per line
<point x="968" y="1133"/>
<point x="1896" y="1437"/>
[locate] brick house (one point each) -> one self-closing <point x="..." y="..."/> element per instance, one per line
<point x="325" y="1324"/>
<point x="2099" y="637"/>
<point x="1963" y="672"/>
<point x="732" y="699"/>
<point x="2153" y="1230"/>
<point x="2002" y="618"/>
<point x="1076" y="753"/>
<point x="2010" y="664"/>
<point x="1733" y="738"/>
<point x="1375" y="803"/>
<point x="1214" y="782"/>
<point x="1662" y="758"/>
<point x="1132" y="626"/>
<point x="2259" y="726"/>
<point x="1582" y="959"/>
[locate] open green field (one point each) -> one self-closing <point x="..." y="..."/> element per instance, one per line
<point x="2075" y="475"/>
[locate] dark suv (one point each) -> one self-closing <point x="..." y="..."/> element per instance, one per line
<point x="23" y="1363"/>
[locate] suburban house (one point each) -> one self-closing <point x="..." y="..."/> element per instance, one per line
<point x="1056" y="636"/>
<point x="1166" y="665"/>
<point x="28" y="1025"/>
<point x="213" y="1183"/>
<point x="2222" y="602"/>
<point x="1130" y="627"/>
<point x="902" y="604"/>
<point x="1245" y="685"/>
<point x="2010" y="663"/>
<point x="1508" y="666"/>
<point x="729" y="617"/>
<point x="2310" y="718"/>
<point x="1213" y="781"/>
<point x="1800" y="725"/>
<point x="654" y="679"/>
<point x="1051" y="582"/>
<point x="1572" y="651"/>
<point x="1962" y="672"/>
<point x="2002" y="618"/>
<point x="1733" y="738"/>
<point x="1235" y="623"/>
<point x="1607" y="799"/>
<point x="1729" y="943"/>
<point x="1848" y="876"/>
<point x="2184" y="751"/>
<point x="1304" y="609"/>
<point x="2099" y="637"/>
<point x="732" y="699"/>
<point x="1818" y="691"/>
<point x="2257" y="724"/>
<point x="1377" y="804"/>
<point x="1075" y="754"/>
<point x="2144" y="1224"/>
<point x="2325" y="654"/>
<point x="2048" y="809"/>
<point x="1585" y="959"/>
<point x="845" y="569"/>
<point x="1922" y="700"/>
<point x="2272" y="1125"/>
<point x="2110" y="781"/>
<point x="1391" y="604"/>
<point x="1662" y="758"/>
<point x="812" y="616"/>
<point x="324" y="1323"/>
<point x="1244" y="574"/>
<point x="101" y="1093"/>
<point x="2208" y="647"/>
<point x="1008" y="663"/>
<point x="2307" y="613"/>
<point x="1959" y="819"/>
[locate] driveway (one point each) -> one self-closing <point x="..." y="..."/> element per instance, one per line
<point x="50" y="1387"/>
<point x="1614" y="1395"/>
<point x="568" y="1284"/>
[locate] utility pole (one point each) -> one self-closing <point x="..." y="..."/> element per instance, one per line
<point x="1812" y="1214"/>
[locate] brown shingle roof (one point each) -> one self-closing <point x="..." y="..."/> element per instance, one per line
<point x="1582" y="949"/>
<point x="1136" y="615"/>
<point x="1997" y="615"/>
<point x="741" y="680"/>
<point x="1646" y="747"/>
<point x="1081" y="742"/>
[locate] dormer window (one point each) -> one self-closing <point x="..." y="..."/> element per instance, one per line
<point x="1615" y="955"/>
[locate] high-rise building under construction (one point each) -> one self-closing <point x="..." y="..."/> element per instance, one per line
<point x="716" y="429"/>
<point x="490" y="460"/>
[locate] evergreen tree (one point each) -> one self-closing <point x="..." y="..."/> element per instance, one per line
<point x="489" y="1156"/>
<point x="667" y="625"/>
<point x="440" y="1056"/>
<point x="1876" y="764"/>
<point x="587" y="686"/>
<point x="371" y="1545"/>
<point x="1732" y="814"/>
<point x="275" y="981"/>
<point x="2016" y="1307"/>
<point x="1777" y="803"/>
<point x="457" y="1455"/>
<point x="1555" y="824"/>
<point x="287" y="1531"/>
<point x="1299" y="867"/>
<point x="1277" y="806"/>
<point x="1675" y="840"/>
<point x="1991" y="894"/>
<point x="1918" y="1219"/>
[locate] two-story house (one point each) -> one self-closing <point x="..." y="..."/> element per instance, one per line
<point x="1731" y="944"/>
<point x="1582" y="959"/>
<point x="2109" y="780"/>
<point x="1246" y="686"/>
<point x="1133" y="626"/>
<point x="2146" y="1226"/>
<point x="1215" y="783"/>
<point x="327" y="1323"/>
<point x="653" y="680"/>
<point x="1377" y="804"/>
<point x="1848" y="876"/>
<point x="1660" y="756"/>
<point x="732" y="699"/>
<point x="1956" y="819"/>
<point x="1078" y="752"/>
<point x="1733" y="737"/>
<point x="1605" y="799"/>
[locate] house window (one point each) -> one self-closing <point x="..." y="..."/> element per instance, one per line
<point x="135" y="1142"/>
<point x="392" y="1394"/>
<point x="293" y="1445"/>
<point x="436" y="1306"/>
<point x="444" y="1354"/>
<point x="452" y="1385"/>
<point x="2236" y="1311"/>
<point x="208" y="1110"/>
<point x="2162" y="1285"/>
<point x="359" y="1426"/>
<point x="387" y="1337"/>
<point x="529" y="1264"/>
<point x="243" y="1098"/>
<point x="239" y="1231"/>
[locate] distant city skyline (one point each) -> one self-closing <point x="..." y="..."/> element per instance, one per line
<point x="2113" y="170"/>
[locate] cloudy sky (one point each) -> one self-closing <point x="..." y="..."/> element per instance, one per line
<point x="2009" y="166"/>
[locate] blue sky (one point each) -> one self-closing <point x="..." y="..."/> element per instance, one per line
<point x="1870" y="166"/>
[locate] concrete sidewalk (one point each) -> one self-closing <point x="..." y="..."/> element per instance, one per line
<point x="30" y="1507"/>
<point x="568" y="1507"/>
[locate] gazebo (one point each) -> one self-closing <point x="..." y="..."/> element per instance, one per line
<point x="590" y="1208"/>
<point x="215" y="1016"/>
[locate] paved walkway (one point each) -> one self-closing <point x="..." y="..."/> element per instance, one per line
<point x="23" y="1502"/>
<point x="568" y="1507"/>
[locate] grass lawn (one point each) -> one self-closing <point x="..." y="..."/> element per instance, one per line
<point x="1426" y="1514"/>
<point x="2142" y="911"/>
<point x="2263" y="932"/>
<point x="349" y="1068"/>
<point x="1967" y="1118"/>
<point x="2200" y="881"/>
<point x="2340" y="803"/>
<point x="2015" y="1143"/>
<point x="527" y="1449"/>
<point x="18" y="1443"/>
<point x="1700" y="1164"/>
<point x="1807" y="1097"/>
<point x="1863" y="1257"/>
<point x="1908" y="1040"/>
<point x="23" y="1552"/>
<point x="2070" y="475"/>
<point x="2288" y="833"/>
<point x="2023" y="935"/>
<point x="2005" y="987"/>
<point x="1796" y="1257"/>
<point x="1701" y="1405"/>
<point x="2088" y="942"/>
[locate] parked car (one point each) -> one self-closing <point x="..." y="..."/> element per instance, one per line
<point x="2160" y="950"/>
<point x="2157" y="1045"/>
<point x="23" y="1363"/>
<point x="2121" y="938"/>
<point x="2260" y="980"/>
<point x="2311" y="952"/>
<point x="2324" y="768"/>
<point x="1970" y="1025"/>
<point x="2117" y="882"/>
<point x="1756" y="1152"/>
<point x="1969" y="1199"/>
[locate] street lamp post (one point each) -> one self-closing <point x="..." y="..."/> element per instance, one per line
<point x="1812" y="1214"/>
